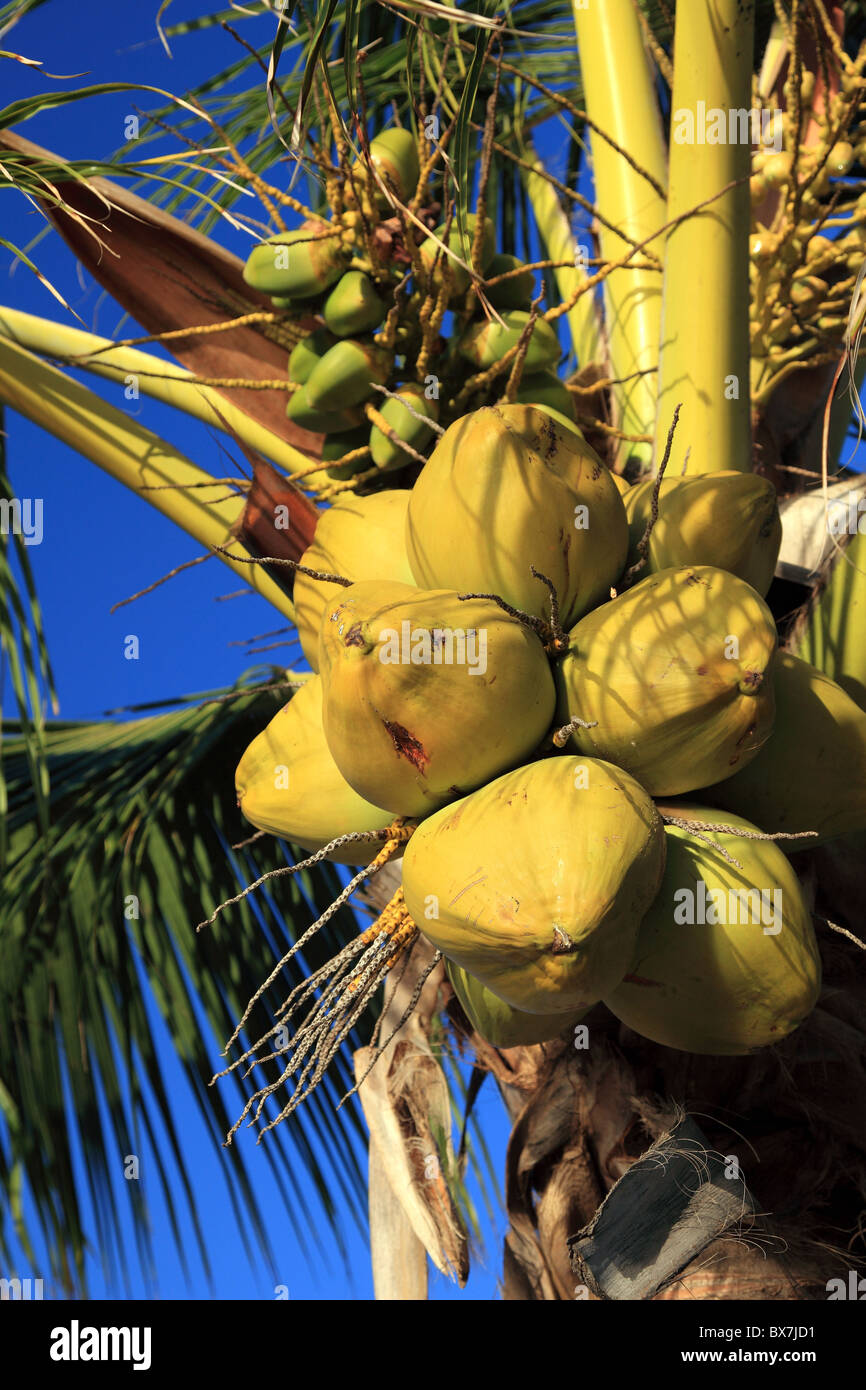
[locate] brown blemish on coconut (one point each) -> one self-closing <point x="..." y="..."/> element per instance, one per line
<point x="548" y="439"/>
<point x="407" y="745"/>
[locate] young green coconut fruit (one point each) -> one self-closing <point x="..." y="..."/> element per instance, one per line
<point x="497" y="1022"/>
<point x="357" y="538"/>
<point x="430" y="249"/>
<point x="427" y="697"/>
<point x="353" y="306"/>
<point x="394" y="154"/>
<point x="414" y="432"/>
<point x="344" y="376"/>
<point x="676" y="675"/>
<point x="550" y="927"/>
<point x="515" y="293"/>
<point x="811" y="772"/>
<point x="728" y="519"/>
<point x="305" y="355"/>
<point x="484" y="344"/>
<point x="726" y="960"/>
<point x="312" y="417"/>
<point x="337" y="446"/>
<point x="288" y="784"/>
<point x="507" y="488"/>
<point x="544" y="389"/>
<point x="298" y="264"/>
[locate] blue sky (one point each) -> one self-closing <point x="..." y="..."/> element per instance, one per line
<point x="100" y="545"/>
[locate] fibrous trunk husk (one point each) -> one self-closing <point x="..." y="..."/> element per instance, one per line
<point x="792" y="1116"/>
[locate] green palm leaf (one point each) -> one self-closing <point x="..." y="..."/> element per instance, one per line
<point x="141" y="816"/>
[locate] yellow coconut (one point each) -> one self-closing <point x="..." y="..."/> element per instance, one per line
<point x="506" y="488"/>
<point x="427" y="697"/>
<point x="726" y="960"/>
<point x="727" y="519"/>
<point x="359" y="538"/>
<point x="537" y="883"/>
<point x="288" y="784"/>
<point x="811" y="772"/>
<point x="676" y="675"/>
<point x="497" y="1022"/>
<point x="622" y="486"/>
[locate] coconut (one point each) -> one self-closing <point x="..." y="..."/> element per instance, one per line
<point x="726" y="960"/>
<point x="727" y="519"/>
<point x="811" y="772"/>
<point x="515" y="293"/>
<point x="461" y="247"/>
<point x="414" y="432"/>
<point x="357" y="538"/>
<point x="483" y="344"/>
<point x="505" y="489"/>
<point x="305" y="354"/>
<point x="288" y="784"/>
<point x="544" y="389"/>
<point x="427" y="697"/>
<point x="497" y="1022"/>
<point x="344" y="376"/>
<point x="675" y="676"/>
<point x="353" y="306"/>
<point x="394" y="154"/>
<point x="299" y="264"/>
<point x="537" y="883"/>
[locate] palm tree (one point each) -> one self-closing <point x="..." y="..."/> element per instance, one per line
<point x="670" y="263"/>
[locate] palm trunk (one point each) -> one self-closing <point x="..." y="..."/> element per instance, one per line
<point x="582" y="1118"/>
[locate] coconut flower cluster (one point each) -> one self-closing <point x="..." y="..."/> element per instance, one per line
<point x="562" y="698"/>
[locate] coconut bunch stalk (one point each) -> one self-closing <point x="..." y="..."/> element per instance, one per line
<point x="632" y="194"/>
<point x="706" y="255"/>
<point x="135" y="457"/>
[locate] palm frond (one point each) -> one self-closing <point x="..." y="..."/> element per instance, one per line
<point x="97" y="926"/>
<point x="23" y="651"/>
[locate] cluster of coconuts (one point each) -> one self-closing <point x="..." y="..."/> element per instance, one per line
<point x="590" y="777"/>
<point x="320" y="274"/>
